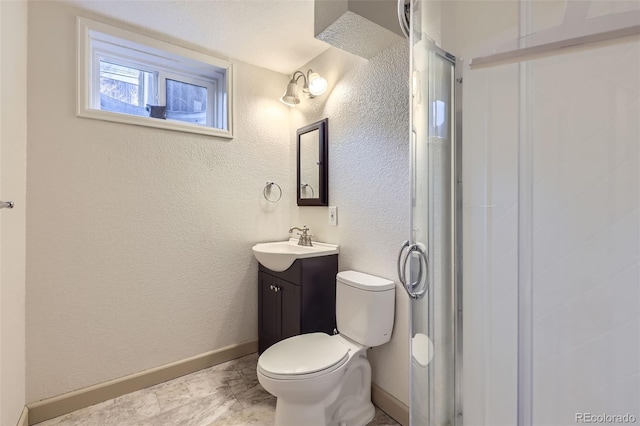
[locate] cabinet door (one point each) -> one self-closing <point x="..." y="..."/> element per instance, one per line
<point x="269" y="309"/>
<point x="290" y="298"/>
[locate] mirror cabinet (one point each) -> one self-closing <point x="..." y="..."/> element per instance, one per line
<point x="313" y="170"/>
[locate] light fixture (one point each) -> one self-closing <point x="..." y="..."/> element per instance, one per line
<point x="314" y="85"/>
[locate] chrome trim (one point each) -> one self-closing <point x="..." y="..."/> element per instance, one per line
<point x="306" y="185"/>
<point x="441" y="52"/>
<point x="457" y="183"/>
<point x="578" y="38"/>
<point x="267" y="189"/>
<point x="414" y="290"/>
<point x="305" y="237"/>
<point x="412" y="167"/>
<point x="401" y="275"/>
<point x="525" y="336"/>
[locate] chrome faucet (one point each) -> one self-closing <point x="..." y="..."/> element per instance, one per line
<point x="305" y="237"/>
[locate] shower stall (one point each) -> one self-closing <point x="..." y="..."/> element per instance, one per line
<point x="429" y="262"/>
<point x="548" y="153"/>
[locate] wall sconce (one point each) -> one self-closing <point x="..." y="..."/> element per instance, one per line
<point x="314" y="85"/>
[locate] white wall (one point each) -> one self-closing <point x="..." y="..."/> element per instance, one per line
<point x="367" y="106"/>
<point x="139" y="240"/>
<point x="13" y="150"/>
<point x="584" y="107"/>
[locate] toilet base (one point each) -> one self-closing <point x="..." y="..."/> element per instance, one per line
<point x="289" y="414"/>
<point x="349" y="404"/>
<point x="359" y="415"/>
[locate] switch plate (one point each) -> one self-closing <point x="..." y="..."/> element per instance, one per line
<point x="333" y="216"/>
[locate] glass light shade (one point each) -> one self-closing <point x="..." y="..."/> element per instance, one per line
<point x="317" y="84"/>
<point x="290" y="97"/>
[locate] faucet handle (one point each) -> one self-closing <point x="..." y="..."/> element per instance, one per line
<point x="305" y="237"/>
<point x="304" y="229"/>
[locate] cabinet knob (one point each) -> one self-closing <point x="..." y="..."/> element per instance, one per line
<point x="274" y="288"/>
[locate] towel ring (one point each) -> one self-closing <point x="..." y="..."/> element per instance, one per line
<point x="305" y="186"/>
<point x="267" y="189"/>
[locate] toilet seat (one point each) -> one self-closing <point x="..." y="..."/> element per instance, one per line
<point x="303" y="357"/>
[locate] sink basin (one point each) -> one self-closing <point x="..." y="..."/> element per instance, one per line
<point x="280" y="255"/>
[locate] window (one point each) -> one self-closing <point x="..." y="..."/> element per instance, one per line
<point x="124" y="89"/>
<point x="133" y="79"/>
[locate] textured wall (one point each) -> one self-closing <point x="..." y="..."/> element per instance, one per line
<point x="258" y="32"/>
<point x="358" y="35"/>
<point x="139" y="240"/>
<point x="13" y="151"/>
<point x="367" y="106"/>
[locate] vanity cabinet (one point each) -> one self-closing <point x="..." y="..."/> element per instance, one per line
<point x="300" y="300"/>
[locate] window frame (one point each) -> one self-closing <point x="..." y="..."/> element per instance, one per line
<point x="96" y="40"/>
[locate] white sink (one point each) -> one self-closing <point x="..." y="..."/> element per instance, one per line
<point x="280" y="255"/>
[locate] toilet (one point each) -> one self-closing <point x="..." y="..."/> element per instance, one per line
<point x="323" y="380"/>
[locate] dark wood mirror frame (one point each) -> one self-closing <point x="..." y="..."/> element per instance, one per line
<point x="322" y="198"/>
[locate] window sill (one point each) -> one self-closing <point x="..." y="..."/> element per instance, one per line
<point x="178" y="126"/>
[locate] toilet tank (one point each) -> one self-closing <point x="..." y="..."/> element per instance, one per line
<point x="364" y="307"/>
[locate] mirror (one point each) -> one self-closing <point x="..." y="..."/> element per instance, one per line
<point x="313" y="147"/>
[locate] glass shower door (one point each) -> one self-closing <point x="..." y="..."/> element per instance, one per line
<point x="426" y="262"/>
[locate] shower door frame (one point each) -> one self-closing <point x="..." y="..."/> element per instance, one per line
<point x="457" y="210"/>
<point x="456" y="181"/>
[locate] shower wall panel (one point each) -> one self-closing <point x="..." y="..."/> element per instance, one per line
<point x="582" y="110"/>
<point x="586" y="280"/>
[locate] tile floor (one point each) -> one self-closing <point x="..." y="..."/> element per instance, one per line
<point x="227" y="394"/>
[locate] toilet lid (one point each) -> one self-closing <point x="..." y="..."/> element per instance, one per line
<point x="304" y="354"/>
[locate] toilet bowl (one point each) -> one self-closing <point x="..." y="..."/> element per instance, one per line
<point x="323" y="380"/>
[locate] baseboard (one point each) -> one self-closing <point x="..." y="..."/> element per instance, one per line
<point x="24" y="417"/>
<point x="390" y="404"/>
<point x="72" y="401"/>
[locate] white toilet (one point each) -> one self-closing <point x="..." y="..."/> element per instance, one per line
<point x="323" y="380"/>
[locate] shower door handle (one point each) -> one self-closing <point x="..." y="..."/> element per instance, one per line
<point x="401" y="262"/>
<point x="418" y="288"/>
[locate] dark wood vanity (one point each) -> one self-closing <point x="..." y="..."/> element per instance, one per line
<point x="301" y="299"/>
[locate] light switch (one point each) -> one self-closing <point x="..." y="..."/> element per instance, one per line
<point x="333" y="216"/>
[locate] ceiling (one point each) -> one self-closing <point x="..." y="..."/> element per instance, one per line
<point x="275" y="34"/>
